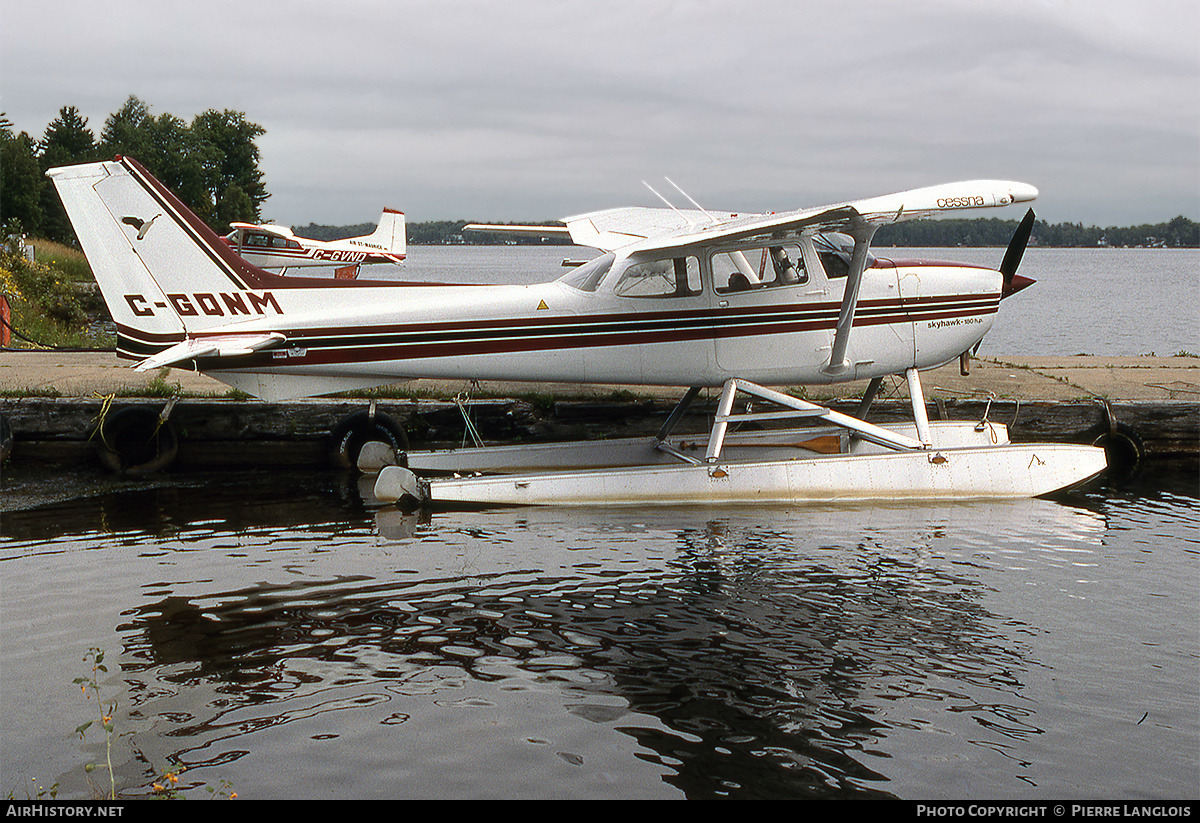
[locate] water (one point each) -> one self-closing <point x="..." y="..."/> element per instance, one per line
<point x="281" y="636"/>
<point x="1106" y="302"/>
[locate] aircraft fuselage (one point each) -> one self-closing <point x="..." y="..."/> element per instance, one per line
<point x="909" y="315"/>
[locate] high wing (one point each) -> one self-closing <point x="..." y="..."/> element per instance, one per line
<point x="854" y="217"/>
<point x="612" y="229"/>
<point x="669" y="228"/>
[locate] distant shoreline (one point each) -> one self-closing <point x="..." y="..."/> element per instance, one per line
<point x="1180" y="232"/>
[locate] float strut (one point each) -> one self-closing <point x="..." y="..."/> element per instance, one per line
<point x="677" y="413"/>
<point x="920" y="416"/>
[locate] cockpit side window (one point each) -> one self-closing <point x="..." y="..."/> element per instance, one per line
<point x="834" y="252"/>
<point x="672" y="277"/>
<point x="588" y="276"/>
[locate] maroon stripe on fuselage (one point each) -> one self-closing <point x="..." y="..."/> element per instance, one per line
<point x="354" y="346"/>
<point x="870" y="312"/>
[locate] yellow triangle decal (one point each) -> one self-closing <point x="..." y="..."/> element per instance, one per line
<point x="542" y="306"/>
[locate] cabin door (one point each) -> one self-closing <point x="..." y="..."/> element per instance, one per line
<point x="766" y="309"/>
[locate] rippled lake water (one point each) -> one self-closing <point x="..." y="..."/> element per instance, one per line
<point x="284" y="637"/>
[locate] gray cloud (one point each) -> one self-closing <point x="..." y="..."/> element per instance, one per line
<point x="540" y="109"/>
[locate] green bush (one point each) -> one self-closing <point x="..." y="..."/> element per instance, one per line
<point x="47" y="303"/>
<point x="43" y="287"/>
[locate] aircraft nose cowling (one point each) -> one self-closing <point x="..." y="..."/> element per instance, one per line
<point x="1015" y="284"/>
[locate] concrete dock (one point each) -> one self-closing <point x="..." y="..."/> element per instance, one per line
<point x="52" y="401"/>
<point x="1123" y="379"/>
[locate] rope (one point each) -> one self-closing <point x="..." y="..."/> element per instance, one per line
<point x="100" y="418"/>
<point x="460" y="400"/>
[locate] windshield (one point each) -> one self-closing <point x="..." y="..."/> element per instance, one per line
<point x="588" y="276"/>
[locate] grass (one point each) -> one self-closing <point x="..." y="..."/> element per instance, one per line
<point x="51" y="300"/>
<point x="71" y="263"/>
<point x="164" y="784"/>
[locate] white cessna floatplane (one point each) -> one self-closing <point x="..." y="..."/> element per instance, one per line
<point x="278" y="248"/>
<point x="689" y="298"/>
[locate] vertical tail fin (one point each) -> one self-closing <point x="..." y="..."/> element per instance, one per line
<point x="107" y="230"/>
<point x="390" y="236"/>
<point x="161" y="270"/>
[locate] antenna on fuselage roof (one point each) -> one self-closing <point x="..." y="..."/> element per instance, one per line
<point x="690" y="200"/>
<point x="689" y="220"/>
<point x="738" y="258"/>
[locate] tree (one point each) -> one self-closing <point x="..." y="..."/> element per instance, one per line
<point x="21" y="180"/>
<point x="166" y="146"/>
<point x="212" y="164"/>
<point x="235" y="206"/>
<point x="67" y="140"/>
<point x="238" y="179"/>
<point x="1183" y="232"/>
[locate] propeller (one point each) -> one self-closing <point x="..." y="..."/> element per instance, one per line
<point x="1014" y="282"/>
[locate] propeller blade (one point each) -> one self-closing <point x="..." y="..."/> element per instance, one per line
<point x="1012" y="256"/>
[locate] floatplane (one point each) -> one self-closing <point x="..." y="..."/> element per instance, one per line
<point x="277" y="248"/>
<point x="740" y="303"/>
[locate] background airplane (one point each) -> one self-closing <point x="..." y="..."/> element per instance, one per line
<point x="278" y="248"/>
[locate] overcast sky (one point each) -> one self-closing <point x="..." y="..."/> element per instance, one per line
<point x="538" y="109"/>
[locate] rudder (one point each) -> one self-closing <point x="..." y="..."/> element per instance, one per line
<point x="162" y="272"/>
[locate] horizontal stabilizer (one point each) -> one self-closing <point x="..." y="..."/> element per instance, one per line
<point x="229" y="345"/>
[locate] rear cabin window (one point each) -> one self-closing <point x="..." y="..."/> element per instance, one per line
<point x="672" y="277"/>
<point x="759" y="267"/>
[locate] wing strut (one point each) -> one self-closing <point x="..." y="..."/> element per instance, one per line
<point x="838" y="364"/>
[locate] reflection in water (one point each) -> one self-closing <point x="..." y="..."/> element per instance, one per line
<point x="763" y="654"/>
<point x="753" y="660"/>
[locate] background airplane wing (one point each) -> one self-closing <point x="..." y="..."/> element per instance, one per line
<point x="611" y="229"/>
